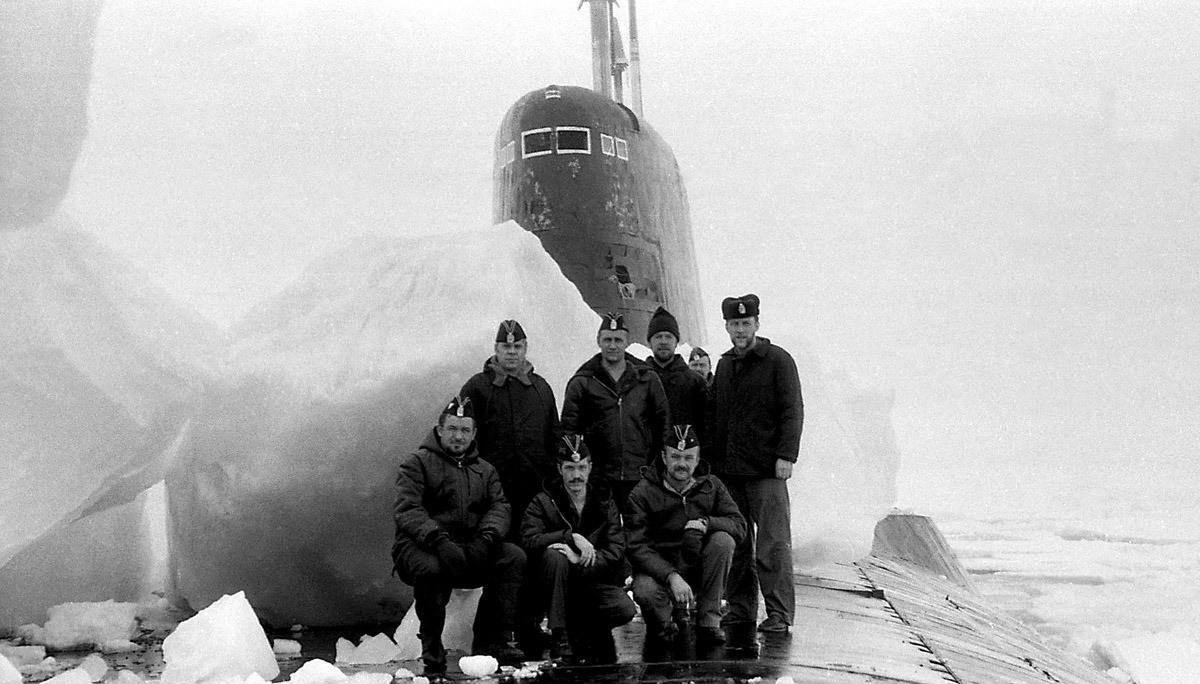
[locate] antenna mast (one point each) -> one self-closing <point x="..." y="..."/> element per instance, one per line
<point x="635" y="61"/>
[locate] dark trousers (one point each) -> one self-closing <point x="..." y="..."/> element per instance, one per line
<point x="764" y="558"/>
<point x="573" y="596"/>
<point x="500" y="578"/>
<point x="707" y="582"/>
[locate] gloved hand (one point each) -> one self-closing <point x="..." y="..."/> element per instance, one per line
<point x="451" y="556"/>
<point x="479" y="549"/>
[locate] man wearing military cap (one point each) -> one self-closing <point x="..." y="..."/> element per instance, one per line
<point x="754" y="440"/>
<point x="683" y="526"/>
<point x="517" y="420"/>
<point x="576" y="546"/>
<point x="687" y="391"/>
<point x="451" y="517"/>
<point x="620" y="408"/>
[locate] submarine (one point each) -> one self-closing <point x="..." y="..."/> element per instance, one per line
<point x="601" y="188"/>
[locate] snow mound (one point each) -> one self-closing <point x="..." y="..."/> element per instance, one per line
<point x="96" y="367"/>
<point x="284" y="487"/>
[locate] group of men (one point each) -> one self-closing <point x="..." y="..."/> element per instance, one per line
<point x="553" y="516"/>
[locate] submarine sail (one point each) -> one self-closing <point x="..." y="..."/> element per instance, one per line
<point x="603" y="192"/>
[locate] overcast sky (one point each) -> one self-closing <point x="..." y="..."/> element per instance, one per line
<point x="991" y="208"/>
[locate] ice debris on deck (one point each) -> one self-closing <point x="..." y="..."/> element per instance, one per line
<point x="371" y="650"/>
<point x="109" y="626"/>
<point x="9" y="674"/>
<point x="224" y="640"/>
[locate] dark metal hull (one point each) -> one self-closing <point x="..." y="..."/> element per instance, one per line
<point x="614" y="216"/>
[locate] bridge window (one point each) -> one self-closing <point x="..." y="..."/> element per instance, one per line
<point x="606" y="144"/>
<point x="573" y="140"/>
<point x="537" y="142"/>
<point x="622" y="149"/>
<point x="505" y="155"/>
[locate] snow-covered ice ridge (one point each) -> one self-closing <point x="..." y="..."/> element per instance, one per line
<point x="277" y="441"/>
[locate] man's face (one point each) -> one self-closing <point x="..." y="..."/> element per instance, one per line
<point x="612" y="344"/>
<point x="575" y="474"/>
<point x="701" y="364"/>
<point x="456" y="433"/>
<point x="741" y="331"/>
<point x="681" y="464"/>
<point x="663" y="345"/>
<point x="511" y="355"/>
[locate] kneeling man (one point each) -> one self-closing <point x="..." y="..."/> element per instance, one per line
<point x="576" y="544"/>
<point x="451" y="517"/>
<point x="683" y="527"/>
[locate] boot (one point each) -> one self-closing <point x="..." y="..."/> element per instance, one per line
<point x="433" y="655"/>
<point x="604" y="648"/>
<point x="560" y="645"/>
<point x="509" y="652"/>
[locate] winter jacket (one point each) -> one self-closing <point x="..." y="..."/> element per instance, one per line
<point x="658" y="514"/>
<point x="756" y="412"/>
<point x="687" y="392"/>
<point x="551" y="519"/>
<point x="624" y="425"/>
<point x="518" y="427"/>
<point x="437" y="493"/>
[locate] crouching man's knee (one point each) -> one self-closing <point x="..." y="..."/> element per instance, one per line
<point x="719" y="546"/>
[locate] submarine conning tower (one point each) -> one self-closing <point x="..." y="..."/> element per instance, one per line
<point x="601" y="189"/>
<point x="603" y="193"/>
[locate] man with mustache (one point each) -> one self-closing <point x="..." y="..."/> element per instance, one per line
<point x="683" y="527"/>
<point x="753" y="443"/>
<point x="576" y="545"/>
<point x="451" y="517"/>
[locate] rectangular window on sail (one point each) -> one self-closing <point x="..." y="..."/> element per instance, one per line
<point x="537" y="142"/>
<point x="573" y="140"/>
<point x="606" y="144"/>
<point x="622" y="149"/>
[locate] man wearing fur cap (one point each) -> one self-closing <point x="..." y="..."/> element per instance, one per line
<point x="576" y="545"/>
<point x="683" y="526"/>
<point x="451" y="517"/>
<point x="753" y="443"/>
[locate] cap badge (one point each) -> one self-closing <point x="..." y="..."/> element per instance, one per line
<point x="741" y="308"/>
<point x="573" y="442"/>
<point x="509" y="327"/>
<point x="682" y="432"/>
<point x="612" y="324"/>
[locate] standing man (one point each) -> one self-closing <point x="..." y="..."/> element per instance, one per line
<point x="576" y="545"/>
<point x="517" y="419"/>
<point x="451" y="517"/>
<point x="683" y="527"/>
<point x="620" y="408"/>
<point x="754" y="442"/>
<point x="518" y="432"/>
<point x="687" y="391"/>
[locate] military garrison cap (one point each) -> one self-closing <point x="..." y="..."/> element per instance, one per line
<point x="740" y="307"/>
<point x="684" y="438"/>
<point x="572" y="449"/>
<point x="460" y="407"/>
<point x="510" y="331"/>
<point x="613" y="321"/>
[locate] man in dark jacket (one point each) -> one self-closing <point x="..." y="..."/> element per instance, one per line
<point x="451" y="517"/>
<point x="620" y="408"/>
<point x="683" y="527"/>
<point x="517" y="420"/>
<point x="576" y="543"/>
<point x="687" y="391"/>
<point x="753" y="443"/>
<point x="518" y="431"/>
